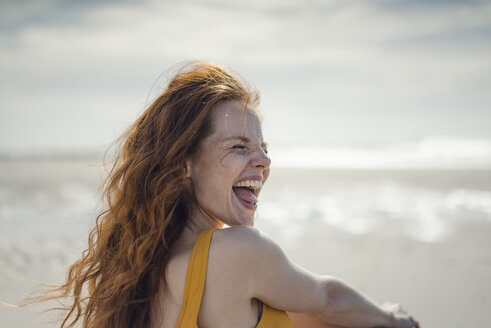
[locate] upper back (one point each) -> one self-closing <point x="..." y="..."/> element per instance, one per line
<point x="226" y="300"/>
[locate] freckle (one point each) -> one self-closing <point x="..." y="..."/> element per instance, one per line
<point x="226" y="122"/>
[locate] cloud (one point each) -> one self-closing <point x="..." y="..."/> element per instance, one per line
<point x="361" y="58"/>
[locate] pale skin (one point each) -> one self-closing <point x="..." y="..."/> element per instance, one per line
<point x="244" y="264"/>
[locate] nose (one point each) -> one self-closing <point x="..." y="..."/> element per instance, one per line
<point x="261" y="159"/>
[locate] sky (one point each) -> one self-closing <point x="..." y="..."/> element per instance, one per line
<point x="332" y="74"/>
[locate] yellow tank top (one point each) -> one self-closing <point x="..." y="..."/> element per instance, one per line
<point x="195" y="285"/>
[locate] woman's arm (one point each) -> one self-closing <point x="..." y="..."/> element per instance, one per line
<point x="324" y="301"/>
<point x="349" y="308"/>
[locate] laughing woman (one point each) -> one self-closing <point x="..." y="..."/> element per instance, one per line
<point x="159" y="257"/>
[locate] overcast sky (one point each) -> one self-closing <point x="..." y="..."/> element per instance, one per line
<point x="74" y="74"/>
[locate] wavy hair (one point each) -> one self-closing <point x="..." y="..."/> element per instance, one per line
<point x="147" y="202"/>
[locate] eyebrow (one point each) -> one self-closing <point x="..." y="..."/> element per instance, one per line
<point x="244" y="140"/>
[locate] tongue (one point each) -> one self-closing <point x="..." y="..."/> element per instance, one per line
<point x="245" y="194"/>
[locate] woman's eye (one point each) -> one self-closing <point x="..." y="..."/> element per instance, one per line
<point x="239" y="147"/>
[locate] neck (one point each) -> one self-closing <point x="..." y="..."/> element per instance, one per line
<point x="200" y="221"/>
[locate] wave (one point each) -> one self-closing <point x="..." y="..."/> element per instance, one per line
<point x="423" y="214"/>
<point x="428" y="153"/>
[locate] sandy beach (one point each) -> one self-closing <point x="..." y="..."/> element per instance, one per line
<point x="443" y="278"/>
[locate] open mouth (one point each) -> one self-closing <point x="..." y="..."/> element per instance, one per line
<point x="245" y="191"/>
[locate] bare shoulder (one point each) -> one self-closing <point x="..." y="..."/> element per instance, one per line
<point x="232" y="233"/>
<point x="242" y="240"/>
<point x="232" y="263"/>
<point x="267" y="272"/>
<point x="241" y="252"/>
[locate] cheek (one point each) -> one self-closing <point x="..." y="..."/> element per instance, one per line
<point x="234" y="163"/>
<point x="211" y="180"/>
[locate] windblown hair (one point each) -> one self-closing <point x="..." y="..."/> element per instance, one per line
<point x="147" y="202"/>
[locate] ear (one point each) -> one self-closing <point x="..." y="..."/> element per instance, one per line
<point x="188" y="169"/>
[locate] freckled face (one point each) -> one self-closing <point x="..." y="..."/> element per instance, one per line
<point x="228" y="172"/>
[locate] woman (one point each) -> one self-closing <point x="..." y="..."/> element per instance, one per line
<point x="159" y="257"/>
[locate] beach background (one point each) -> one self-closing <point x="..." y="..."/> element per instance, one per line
<point x="377" y="115"/>
<point x="418" y="237"/>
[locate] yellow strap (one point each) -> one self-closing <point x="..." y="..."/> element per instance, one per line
<point x="195" y="281"/>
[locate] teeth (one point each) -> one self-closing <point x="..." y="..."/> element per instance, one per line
<point x="254" y="184"/>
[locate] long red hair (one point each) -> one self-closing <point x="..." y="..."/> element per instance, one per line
<point x="147" y="202"/>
